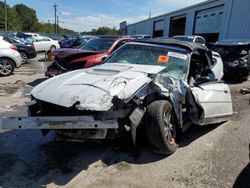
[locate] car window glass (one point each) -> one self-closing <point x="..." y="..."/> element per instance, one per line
<point x="99" y="45"/>
<point x="175" y="62"/>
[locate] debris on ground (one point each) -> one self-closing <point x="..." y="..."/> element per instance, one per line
<point x="245" y="91"/>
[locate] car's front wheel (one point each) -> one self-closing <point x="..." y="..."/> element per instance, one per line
<point x="161" y="127"/>
<point x="6" y="67"/>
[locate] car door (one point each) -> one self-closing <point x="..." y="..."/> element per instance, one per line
<point x="215" y="99"/>
<point x="46" y="44"/>
<point x="38" y="44"/>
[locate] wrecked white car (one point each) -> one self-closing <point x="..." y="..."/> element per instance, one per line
<point x="160" y="85"/>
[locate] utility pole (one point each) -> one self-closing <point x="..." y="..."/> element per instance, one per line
<point x="57" y="25"/>
<point x="55" y="7"/>
<point x="5" y="17"/>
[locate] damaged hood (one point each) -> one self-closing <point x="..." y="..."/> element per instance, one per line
<point x="65" y="52"/>
<point x="94" y="88"/>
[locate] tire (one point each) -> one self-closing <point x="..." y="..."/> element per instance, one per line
<point x="24" y="57"/>
<point x="52" y="48"/>
<point x="6" y="67"/>
<point x="161" y="133"/>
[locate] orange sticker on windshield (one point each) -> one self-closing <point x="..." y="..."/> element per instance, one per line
<point x="163" y="59"/>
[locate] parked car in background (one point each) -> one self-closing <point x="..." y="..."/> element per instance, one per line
<point x="90" y="54"/>
<point x="154" y="85"/>
<point x="22" y="37"/>
<point x="236" y="57"/>
<point x="26" y="50"/>
<point x="141" y="36"/>
<point x="191" y="38"/>
<point x="76" y="41"/>
<point x="59" y="38"/>
<point x="45" y="44"/>
<point x="9" y="58"/>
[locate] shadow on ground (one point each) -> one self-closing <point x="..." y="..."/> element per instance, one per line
<point x="243" y="180"/>
<point x="28" y="159"/>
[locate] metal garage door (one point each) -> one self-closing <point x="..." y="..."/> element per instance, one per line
<point x="158" y="28"/>
<point x="209" y="20"/>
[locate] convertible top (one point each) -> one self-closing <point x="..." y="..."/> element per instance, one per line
<point x="172" y="42"/>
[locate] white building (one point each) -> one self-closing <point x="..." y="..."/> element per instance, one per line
<point x="212" y="19"/>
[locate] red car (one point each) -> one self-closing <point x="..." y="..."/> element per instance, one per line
<point x="90" y="54"/>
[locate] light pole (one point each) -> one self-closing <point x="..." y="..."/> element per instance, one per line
<point x="5" y="17"/>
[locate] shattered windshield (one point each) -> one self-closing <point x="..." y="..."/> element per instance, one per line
<point x="175" y="62"/>
<point x="99" y="45"/>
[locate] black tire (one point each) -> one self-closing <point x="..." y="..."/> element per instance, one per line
<point x="24" y="57"/>
<point x="161" y="133"/>
<point x="52" y="48"/>
<point x="6" y="67"/>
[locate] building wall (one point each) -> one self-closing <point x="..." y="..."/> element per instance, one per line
<point x="235" y="21"/>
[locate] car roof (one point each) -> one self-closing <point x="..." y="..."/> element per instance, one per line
<point x="177" y="43"/>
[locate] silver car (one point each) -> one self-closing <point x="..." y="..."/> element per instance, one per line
<point x="9" y="58"/>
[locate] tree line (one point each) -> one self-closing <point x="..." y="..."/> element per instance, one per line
<point x="23" y="18"/>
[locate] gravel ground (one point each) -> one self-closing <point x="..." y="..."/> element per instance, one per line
<point x="210" y="156"/>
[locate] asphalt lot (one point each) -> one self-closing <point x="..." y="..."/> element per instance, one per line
<point x="210" y="156"/>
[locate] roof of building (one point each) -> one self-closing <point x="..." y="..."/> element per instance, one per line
<point x="179" y="10"/>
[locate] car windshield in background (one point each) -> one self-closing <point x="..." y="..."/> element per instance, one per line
<point x="227" y="51"/>
<point x="99" y="45"/>
<point x="175" y="62"/>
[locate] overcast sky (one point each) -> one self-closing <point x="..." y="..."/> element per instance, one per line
<point x="84" y="15"/>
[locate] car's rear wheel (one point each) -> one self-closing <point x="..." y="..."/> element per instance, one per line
<point x="161" y="128"/>
<point x="24" y="57"/>
<point x="52" y="48"/>
<point x="6" y="67"/>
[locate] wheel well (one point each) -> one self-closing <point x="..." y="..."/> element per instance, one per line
<point x="158" y="96"/>
<point x="3" y="57"/>
<point x="24" y="52"/>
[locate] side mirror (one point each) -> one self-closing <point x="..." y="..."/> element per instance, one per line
<point x="201" y="80"/>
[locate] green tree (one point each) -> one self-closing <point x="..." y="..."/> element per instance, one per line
<point x="27" y="17"/>
<point x="103" y="31"/>
<point x="13" y="23"/>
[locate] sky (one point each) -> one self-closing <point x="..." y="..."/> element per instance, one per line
<point x="84" y="15"/>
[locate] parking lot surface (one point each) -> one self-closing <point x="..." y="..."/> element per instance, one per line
<point x="209" y="156"/>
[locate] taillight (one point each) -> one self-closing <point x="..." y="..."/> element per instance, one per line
<point x="33" y="46"/>
<point x="13" y="48"/>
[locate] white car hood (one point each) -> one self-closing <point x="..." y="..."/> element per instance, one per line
<point x="94" y="88"/>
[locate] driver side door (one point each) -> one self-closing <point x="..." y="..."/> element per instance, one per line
<point x="214" y="97"/>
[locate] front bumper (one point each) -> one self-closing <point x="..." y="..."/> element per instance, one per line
<point x="32" y="54"/>
<point x="57" y="122"/>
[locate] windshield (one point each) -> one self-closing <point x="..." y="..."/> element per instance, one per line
<point x="175" y="62"/>
<point x="99" y="45"/>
